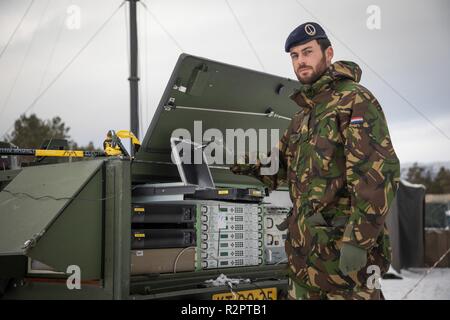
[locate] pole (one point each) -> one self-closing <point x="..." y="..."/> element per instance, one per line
<point x="134" y="79"/>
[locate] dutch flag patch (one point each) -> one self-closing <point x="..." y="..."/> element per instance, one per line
<point x="356" y="120"/>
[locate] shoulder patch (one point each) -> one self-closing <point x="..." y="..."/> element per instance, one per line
<point x="356" y="120"/>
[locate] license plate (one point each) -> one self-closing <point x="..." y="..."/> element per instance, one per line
<point x="257" y="294"/>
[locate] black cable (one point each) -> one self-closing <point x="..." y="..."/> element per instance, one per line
<point x="70" y="62"/>
<point x="375" y="72"/>
<point x="230" y="285"/>
<point x="260" y="289"/>
<point x="52" y="51"/>
<point x="241" y="28"/>
<point x="16" y="28"/>
<point x="18" y="194"/>
<point x="24" y="60"/>
<point x="161" y="26"/>
<point x="218" y="248"/>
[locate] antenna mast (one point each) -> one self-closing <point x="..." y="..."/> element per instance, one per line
<point x="134" y="79"/>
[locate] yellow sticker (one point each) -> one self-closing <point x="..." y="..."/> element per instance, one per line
<point x="139" y="209"/>
<point x="255" y="193"/>
<point x="139" y="235"/>
<point x="260" y="294"/>
<point x="223" y="191"/>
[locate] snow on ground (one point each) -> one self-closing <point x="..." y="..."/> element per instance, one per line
<point x="435" y="286"/>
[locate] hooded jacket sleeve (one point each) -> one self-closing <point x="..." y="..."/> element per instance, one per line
<point x="372" y="169"/>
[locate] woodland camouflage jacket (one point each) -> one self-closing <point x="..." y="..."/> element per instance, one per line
<point x="339" y="163"/>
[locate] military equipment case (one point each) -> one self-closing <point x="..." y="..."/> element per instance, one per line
<point x="79" y="214"/>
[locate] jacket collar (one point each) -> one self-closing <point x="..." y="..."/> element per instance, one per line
<point x="305" y="96"/>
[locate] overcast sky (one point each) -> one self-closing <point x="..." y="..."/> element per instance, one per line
<point x="405" y="63"/>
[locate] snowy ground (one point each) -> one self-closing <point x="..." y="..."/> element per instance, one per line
<point x="435" y="286"/>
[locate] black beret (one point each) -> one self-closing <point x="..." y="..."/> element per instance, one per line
<point x="304" y="33"/>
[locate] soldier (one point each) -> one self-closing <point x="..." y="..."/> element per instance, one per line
<point x="342" y="172"/>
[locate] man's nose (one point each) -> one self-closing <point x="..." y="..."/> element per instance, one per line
<point x="300" y="61"/>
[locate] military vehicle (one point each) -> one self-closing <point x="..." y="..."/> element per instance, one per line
<point x="146" y="227"/>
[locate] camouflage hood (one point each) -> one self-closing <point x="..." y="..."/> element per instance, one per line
<point x="339" y="70"/>
<point x="344" y="70"/>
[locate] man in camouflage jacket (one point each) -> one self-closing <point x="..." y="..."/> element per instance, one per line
<point x="342" y="172"/>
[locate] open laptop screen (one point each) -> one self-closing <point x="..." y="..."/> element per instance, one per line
<point x="192" y="172"/>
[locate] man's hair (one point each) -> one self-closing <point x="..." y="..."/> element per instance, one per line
<point x="324" y="44"/>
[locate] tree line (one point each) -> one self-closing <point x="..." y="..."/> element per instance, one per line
<point x="31" y="131"/>
<point x="440" y="184"/>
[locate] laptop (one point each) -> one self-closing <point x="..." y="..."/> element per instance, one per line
<point x="191" y="173"/>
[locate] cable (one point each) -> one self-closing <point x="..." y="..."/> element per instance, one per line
<point x="186" y="249"/>
<point x="261" y="290"/>
<point x="71" y="61"/>
<point x="230" y="285"/>
<point x="144" y="88"/>
<point x="52" y="52"/>
<point x="245" y="35"/>
<point x="212" y="256"/>
<point x="178" y="257"/>
<point x="16" y="28"/>
<point x="24" y="59"/>
<point x="426" y="274"/>
<point x="218" y="248"/>
<point x="127" y="36"/>
<point x="161" y="26"/>
<point x="281" y="261"/>
<point x="46" y="148"/>
<point x="268" y="115"/>
<point x="50" y="197"/>
<point x="374" y="72"/>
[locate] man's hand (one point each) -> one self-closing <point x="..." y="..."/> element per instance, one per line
<point x="352" y="258"/>
<point x="236" y="168"/>
<point x="243" y="165"/>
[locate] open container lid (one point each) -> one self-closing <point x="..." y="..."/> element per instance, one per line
<point x="222" y="97"/>
<point x="53" y="213"/>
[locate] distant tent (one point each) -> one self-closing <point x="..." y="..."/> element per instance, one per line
<point x="437" y="210"/>
<point x="435" y="216"/>
<point x="406" y="223"/>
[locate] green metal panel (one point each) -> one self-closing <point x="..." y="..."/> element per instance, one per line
<point x="117" y="229"/>
<point x="35" y="198"/>
<point x="28" y="290"/>
<point x="75" y="237"/>
<point x="6" y="176"/>
<point x="207" y="84"/>
<point x="114" y="185"/>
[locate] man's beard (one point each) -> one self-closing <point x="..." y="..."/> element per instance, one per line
<point x="316" y="74"/>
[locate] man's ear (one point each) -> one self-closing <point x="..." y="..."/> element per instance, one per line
<point x="329" y="53"/>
